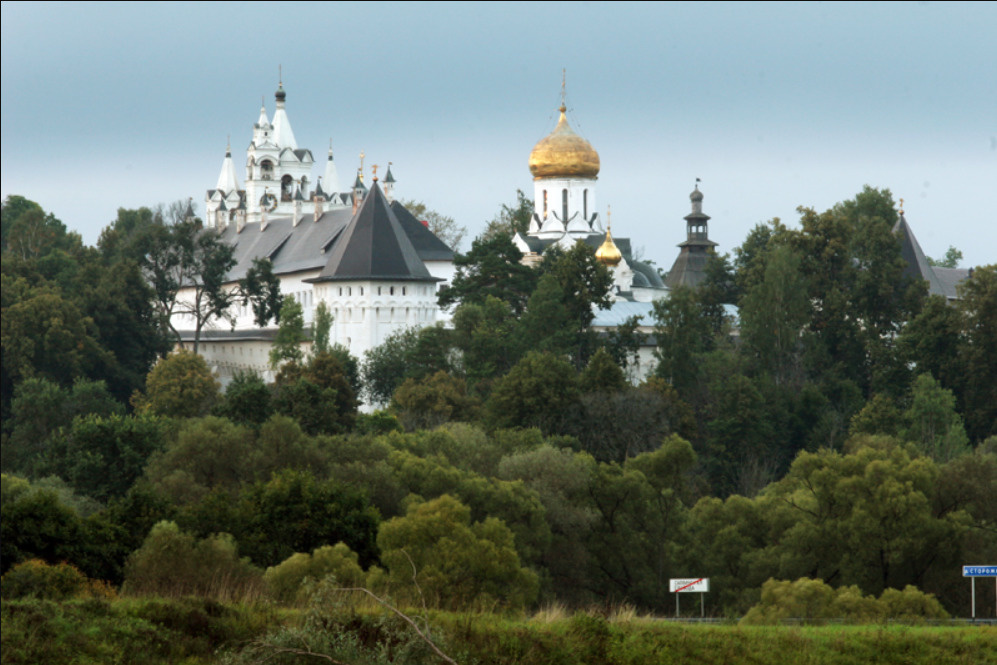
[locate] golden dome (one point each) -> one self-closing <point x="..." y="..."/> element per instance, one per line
<point x="562" y="153"/>
<point x="608" y="254"/>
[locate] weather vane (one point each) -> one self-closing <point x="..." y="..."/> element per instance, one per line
<point x="901" y="206"/>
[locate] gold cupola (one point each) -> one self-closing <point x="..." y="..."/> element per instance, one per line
<point x="608" y="253"/>
<point x="563" y="154"/>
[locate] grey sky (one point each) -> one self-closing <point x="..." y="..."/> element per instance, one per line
<point x="772" y="105"/>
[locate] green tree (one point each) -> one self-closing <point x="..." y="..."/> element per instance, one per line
<point x="174" y="563"/>
<point x="321" y="328"/>
<point x="486" y="336"/>
<point x="261" y="289"/>
<point x="187" y="267"/>
<point x="102" y="456"/>
<point x="208" y="453"/>
<point x="539" y="391"/>
<point x="296" y="512"/>
<point x="932" y="422"/>
<point x="290" y="335"/>
<point x="318" y="395"/>
<point x="180" y="386"/>
<point x="683" y="336"/>
<point x="436" y="552"/>
<point x="492" y="268"/>
<point x="511" y="219"/>
<point x="432" y="401"/>
<point x="978" y="352"/>
<point x="247" y="399"/>
<point x="411" y="353"/>
<point x="602" y="374"/>
<point x="773" y="315"/>
<point x="952" y="258"/>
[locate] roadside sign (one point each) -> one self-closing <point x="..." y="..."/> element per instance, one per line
<point x="690" y="585"/>
<point x="979" y="571"/>
<point x="974" y="572"/>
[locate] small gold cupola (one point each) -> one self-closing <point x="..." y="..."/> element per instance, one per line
<point x="608" y="253"/>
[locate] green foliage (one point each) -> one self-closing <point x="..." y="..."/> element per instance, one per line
<point x="318" y="395"/>
<point x="411" y="353"/>
<point x="40" y="407"/>
<point x="321" y="328"/>
<point x="173" y="563"/>
<point x="951" y="260"/>
<point x="290" y="335"/>
<point x="432" y="401"/>
<point x="435" y="552"/>
<point x="933" y="424"/>
<point x="808" y="599"/>
<point x="537" y="392"/>
<point x="247" y="399"/>
<point x="683" y="334"/>
<point x="978" y="352"/>
<point x="486" y="335"/>
<point x="296" y="512"/>
<point x="261" y="289"/>
<point x="284" y="581"/>
<point x="37" y="579"/>
<point x="208" y="453"/>
<point x="102" y="457"/>
<point x="180" y="386"/>
<point x="491" y="269"/>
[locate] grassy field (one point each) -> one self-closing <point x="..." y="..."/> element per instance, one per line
<point x="196" y="632"/>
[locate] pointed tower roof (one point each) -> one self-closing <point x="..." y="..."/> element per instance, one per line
<point x="331" y="176"/>
<point x="388" y="178"/>
<point x="374" y="246"/>
<point x="917" y="263"/>
<point x="227" y="181"/>
<point x="263" y="120"/>
<point x="282" y="134"/>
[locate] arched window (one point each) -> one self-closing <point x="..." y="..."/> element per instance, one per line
<point x="585" y="204"/>
<point x="564" y="205"/>
<point x="286" y="188"/>
<point x="545" y="203"/>
<point x="266" y="170"/>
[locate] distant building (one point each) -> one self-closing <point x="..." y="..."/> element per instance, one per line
<point x="367" y="257"/>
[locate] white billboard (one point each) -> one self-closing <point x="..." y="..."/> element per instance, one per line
<point x="689" y="585"/>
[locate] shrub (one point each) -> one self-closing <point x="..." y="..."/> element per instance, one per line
<point x="284" y="581"/>
<point x="173" y="563"/>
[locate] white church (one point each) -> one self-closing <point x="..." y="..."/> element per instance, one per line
<point x="377" y="267"/>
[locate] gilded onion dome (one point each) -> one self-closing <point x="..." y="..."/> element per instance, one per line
<point x="608" y="254"/>
<point x="562" y="153"/>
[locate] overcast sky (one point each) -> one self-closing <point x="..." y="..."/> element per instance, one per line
<point x="773" y="106"/>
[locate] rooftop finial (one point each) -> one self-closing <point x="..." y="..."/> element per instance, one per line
<point x="228" y="144"/>
<point x="374" y="169"/>
<point x="564" y="77"/>
<point x="609" y="218"/>
<point x="901" y="206"/>
<point x="280" y="75"/>
<point x="360" y="171"/>
<point x="697" y="183"/>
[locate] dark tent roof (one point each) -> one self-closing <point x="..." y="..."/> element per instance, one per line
<point x="374" y="246"/>
<point x="429" y="247"/>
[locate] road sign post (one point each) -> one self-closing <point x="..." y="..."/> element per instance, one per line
<point x="698" y="585"/>
<point x="979" y="571"/>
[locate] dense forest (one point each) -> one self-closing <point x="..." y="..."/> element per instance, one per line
<point x="841" y="433"/>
